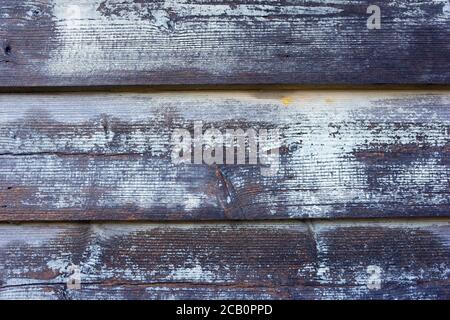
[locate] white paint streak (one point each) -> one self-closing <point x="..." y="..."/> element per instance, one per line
<point x="192" y="271"/>
<point x="92" y="43"/>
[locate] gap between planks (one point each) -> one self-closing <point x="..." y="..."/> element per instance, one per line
<point x="335" y="222"/>
<point x="216" y="87"/>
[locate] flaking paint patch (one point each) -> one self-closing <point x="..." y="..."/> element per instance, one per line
<point x="446" y="8"/>
<point x="88" y="35"/>
<point x="132" y="10"/>
<point x="60" y="266"/>
<point x="141" y="184"/>
<point x="194" y="272"/>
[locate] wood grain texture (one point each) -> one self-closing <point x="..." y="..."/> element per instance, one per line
<point x="103" y="156"/>
<point x="117" y="42"/>
<point x="289" y="260"/>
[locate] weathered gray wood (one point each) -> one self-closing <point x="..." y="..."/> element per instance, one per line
<point x="116" y="42"/>
<point x="291" y="260"/>
<point x="108" y="156"/>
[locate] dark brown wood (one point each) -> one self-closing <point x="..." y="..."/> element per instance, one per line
<point x="103" y="156"/>
<point x="291" y="260"/>
<point x="112" y="42"/>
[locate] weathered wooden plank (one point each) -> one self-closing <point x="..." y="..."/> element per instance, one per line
<point x="292" y="260"/>
<point x="116" y="42"/>
<point x="110" y="156"/>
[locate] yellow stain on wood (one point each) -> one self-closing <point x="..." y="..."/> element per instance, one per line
<point x="287" y="100"/>
<point x="329" y="100"/>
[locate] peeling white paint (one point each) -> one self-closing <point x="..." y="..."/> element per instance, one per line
<point x="94" y="43"/>
<point x="193" y="270"/>
<point x="446" y="8"/>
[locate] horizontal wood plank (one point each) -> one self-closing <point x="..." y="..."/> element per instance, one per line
<point x="137" y="42"/>
<point x="103" y="156"/>
<point x="291" y="260"/>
